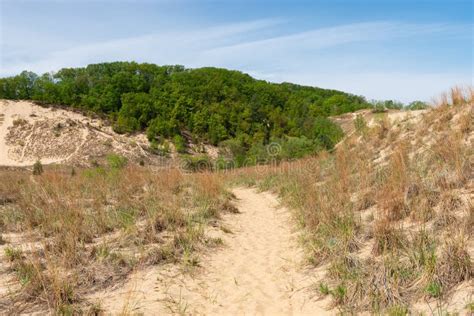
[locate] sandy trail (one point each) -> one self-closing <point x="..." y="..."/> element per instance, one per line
<point x="257" y="272"/>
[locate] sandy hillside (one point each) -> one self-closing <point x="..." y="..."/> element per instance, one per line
<point x="257" y="272"/>
<point x="346" y="121"/>
<point x="260" y="267"/>
<point x="29" y="132"/>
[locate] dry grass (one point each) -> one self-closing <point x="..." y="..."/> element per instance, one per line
<point x="402" y="192"/>
<point x="389" y="213"/>
<point x="88" y="229"/>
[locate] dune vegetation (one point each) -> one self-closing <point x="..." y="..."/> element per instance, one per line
<point x="389" y="214"/>
<point x="205" y="105"/>
<point x="71" y="231"/>
<point x="386" y="212"/>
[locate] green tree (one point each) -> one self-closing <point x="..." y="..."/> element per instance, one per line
<point x="326" y="132"/>
<point x="417" y="105"/>
<point x="213" y="105"/>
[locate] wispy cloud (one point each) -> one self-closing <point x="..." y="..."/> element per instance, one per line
<point x="289" y="48"/>
<point x="311" y="57"/>
<point x="167" y="47"/>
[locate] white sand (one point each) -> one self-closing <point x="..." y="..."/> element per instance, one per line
<point x="258" y="272"/>
<point x="53" y="135"/>
<point x="11" y="111"/>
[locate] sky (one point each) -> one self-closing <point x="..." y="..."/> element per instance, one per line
<point x="387" y="49"/>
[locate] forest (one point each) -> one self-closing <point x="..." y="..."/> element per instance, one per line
<point x="204" y="105"/>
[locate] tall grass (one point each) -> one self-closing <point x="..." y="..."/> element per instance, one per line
<point x="390" y="219"/>
<point x="92" y="227"/>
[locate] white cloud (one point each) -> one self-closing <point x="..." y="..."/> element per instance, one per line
<point x="167" y="47"/>
<point x="297" y="48"/>
<point x="306" y="57"/>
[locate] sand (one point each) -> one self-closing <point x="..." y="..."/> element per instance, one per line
<point x="258" y="271"/>
<point x="24" y="110"/>
<point x="29" y="132"/>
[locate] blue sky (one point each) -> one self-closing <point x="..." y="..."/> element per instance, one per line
<point x="404" y="50"/>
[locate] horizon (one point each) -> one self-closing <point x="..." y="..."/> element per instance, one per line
<point x="400" y="50"/>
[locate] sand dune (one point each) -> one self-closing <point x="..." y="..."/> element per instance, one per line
<point x="29" y="132"/>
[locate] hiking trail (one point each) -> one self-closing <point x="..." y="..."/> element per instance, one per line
<point x="258" y="271"/>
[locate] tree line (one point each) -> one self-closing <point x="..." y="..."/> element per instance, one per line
<point x="210" y="105"/>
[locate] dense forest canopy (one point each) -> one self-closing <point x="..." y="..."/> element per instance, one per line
<point x="211" y="104"/>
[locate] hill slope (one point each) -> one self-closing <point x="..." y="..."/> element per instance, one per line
<point x="389" y="215"/>
<point x="204" y="105"/>
<point x="385" y="218"/>
<point x="29" y="132"/>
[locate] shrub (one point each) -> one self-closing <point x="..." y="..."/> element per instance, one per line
<point x="222" y="163"/>
<point x="235" y="149"/>
<point x="196" y="163"/>
<point x="179" y="143"/>
<point x="116" y="161"/>
<point x="378" y="107"/>
<point x="326" y="132"/>
<point x="298" y="147"/>
<point x="126" y="125"/>
<point x="417" y="105"/>
<point x="159" y="148"/>
<point x="38" y="168"/>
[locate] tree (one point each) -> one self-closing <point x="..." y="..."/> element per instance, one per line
<point x="417" y="105"/>
<point x="214" y="105"/>
<point x="326" y="132"/>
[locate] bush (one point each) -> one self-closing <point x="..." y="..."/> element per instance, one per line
<point x="327" y="133"/>
<point x="259" y="153"/>
<point x="116" y="161"/>
<point x="179" y="144"/>
<point x="38" y="168"/>
<point x="417" y="105"/>
<point x="235" y="149"/>
<point x="298" y="147"/>
<point x="160" y="127"/>
<point x="196" y="163"/>
<point x="161" y="149"/>
<point x="126" y="125"/>
<point x="277" y="149"/>
<point x="378" y="107"/>
<point x="222" y="163"/>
